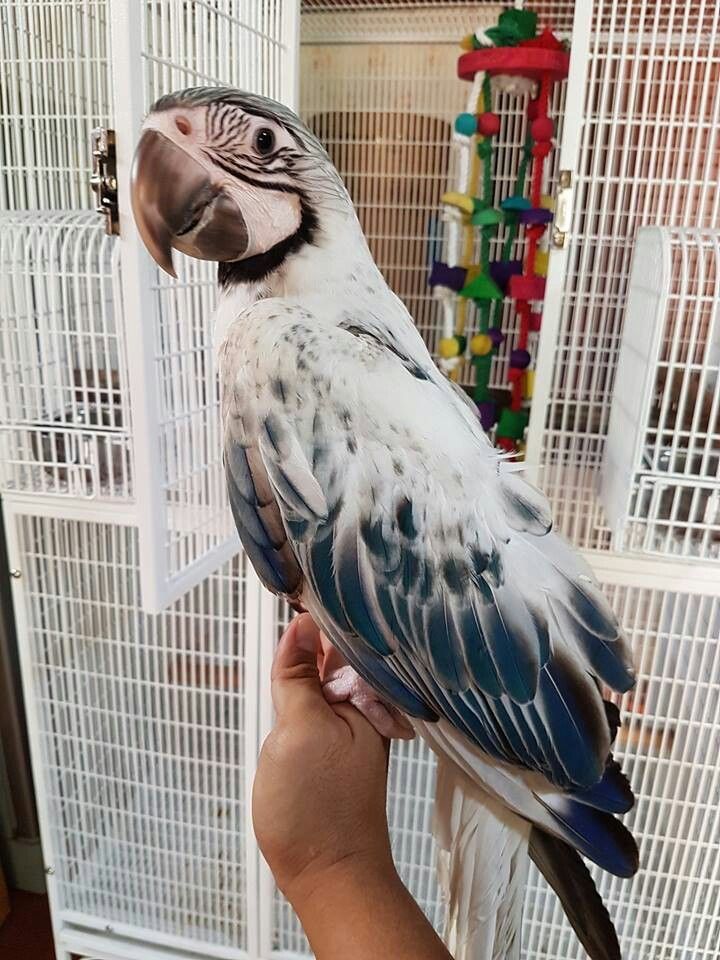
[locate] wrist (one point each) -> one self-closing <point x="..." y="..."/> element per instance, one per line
<point x="350" y="876"/>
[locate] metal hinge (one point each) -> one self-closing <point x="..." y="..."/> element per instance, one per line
<point x="563" y="209"/>
<point x="104" y="177"/>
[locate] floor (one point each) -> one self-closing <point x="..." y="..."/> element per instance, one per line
<point x="26" y="933"/>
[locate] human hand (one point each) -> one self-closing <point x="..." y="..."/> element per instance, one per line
<point x="319" y="792"/>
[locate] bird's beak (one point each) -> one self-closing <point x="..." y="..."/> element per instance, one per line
<point x="176" y="204"/>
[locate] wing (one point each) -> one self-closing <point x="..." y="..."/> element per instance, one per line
<point x="429" y="561"/>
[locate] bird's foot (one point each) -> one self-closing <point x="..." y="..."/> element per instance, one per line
<point x="343" y="684"/>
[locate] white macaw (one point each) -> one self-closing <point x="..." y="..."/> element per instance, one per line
<point x="365" y="491"/>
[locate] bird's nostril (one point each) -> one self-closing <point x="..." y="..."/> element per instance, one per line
<point x="183" y="125"/>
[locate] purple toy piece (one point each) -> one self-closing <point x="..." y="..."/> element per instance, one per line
<point x="496" y="335"/>
<point x="488" y="414"/>
<point x="520" y="359"/>
<point x="536" y="215"/>
<point x="502" y="270"/>
<point x="442" y="275"/>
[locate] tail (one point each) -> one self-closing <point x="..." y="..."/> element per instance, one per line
<point x="565" y="871"/>
<point x="482" y="868"/>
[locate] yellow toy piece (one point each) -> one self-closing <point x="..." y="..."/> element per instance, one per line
<point x="547" y="202"/>
<point x="528" y="384"/>
<point x="481" y="345"/>
<point x="541" y="263"/>
<point x="467" y="43"/>
<point x="460" y="200"/>
<point x="449" y="347"/>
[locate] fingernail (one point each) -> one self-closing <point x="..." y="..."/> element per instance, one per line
<point x="306" y="633"/>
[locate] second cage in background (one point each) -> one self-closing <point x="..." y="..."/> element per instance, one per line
<point x="661" y="475"/>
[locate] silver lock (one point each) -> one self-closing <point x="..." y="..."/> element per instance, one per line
<point x="104" y="177"/>
<point x="563" y="210"/>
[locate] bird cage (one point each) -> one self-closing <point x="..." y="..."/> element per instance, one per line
<point x="661" y="475"/>
<point x="645" y="142"/>
<point x="145" y="723"/>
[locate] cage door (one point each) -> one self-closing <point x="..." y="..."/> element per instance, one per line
<point x="185" y="526"/>
<point x="572" y="127"/>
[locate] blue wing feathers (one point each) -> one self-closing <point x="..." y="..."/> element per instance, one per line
<point x="595" y="833"/>
<point x="612" y="794"/>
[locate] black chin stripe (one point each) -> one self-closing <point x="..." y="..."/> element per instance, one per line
<point x="261" y="265"/>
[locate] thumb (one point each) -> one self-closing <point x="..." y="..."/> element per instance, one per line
<point x="295" y="678"/>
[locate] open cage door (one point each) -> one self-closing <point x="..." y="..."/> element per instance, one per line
<point x="185" y="526"/>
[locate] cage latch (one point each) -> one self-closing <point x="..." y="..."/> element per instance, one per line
<point x="563" y="209"/>
<point x="104" y="177"/>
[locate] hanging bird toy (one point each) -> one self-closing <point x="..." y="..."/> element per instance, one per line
<point x="515" y="58"/>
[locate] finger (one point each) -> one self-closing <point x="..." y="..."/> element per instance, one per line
<point x="330" y="659"/>
<point x="295" y="677"/>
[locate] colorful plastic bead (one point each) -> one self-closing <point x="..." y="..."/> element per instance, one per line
<point x="542" y="128"/>
<point x="460" y="200"/>
<point x="481" y="345"/>
<point x="487" y="217"/>
<point x="528" y="384"/>
<point x="541" y="149"/>
<point x="502" y="270"/>
<point x="514" y="373"/>
<point x="488" y="413"/>
<point x="496" y="335"/>
<point x="536" y="215"/>
<point x="488" y="124"/>
<point x="449" y="347"/>
<point x="532" y="110"/>
<point x="481" y="287"/>
<point x="465" y="124"/>
<point x="444" y="276"/>
<point x="527" y="288"/>
<point x="541" y="263"/>
<point x="520" y="358"/>
<point x="515" y="202"/>
<point x="535" y="321"/>
<point x="512" y="423"/>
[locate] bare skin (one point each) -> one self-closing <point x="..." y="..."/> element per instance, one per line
<point x="319" y="817"/>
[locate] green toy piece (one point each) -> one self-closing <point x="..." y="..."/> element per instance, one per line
<point x="513" y="27"/>
<point x="512" y="423"/>
<point x="481" y="287"/>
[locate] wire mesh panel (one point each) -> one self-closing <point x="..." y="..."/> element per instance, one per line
<point x="55" y="87"/>
<point x="64" y="408"/>
<point x="661" y="476"/>
<point x="380" y="90"/>
<point x="140" y="726"/>
<point x="185" y="525"/>
<point x="411" y="790"/>
<point x="668" y="746"/>
<point x="66" y="69"/>
<point x="648" y="155"/>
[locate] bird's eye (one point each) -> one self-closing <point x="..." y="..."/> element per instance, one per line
<point x="264" y="140"/>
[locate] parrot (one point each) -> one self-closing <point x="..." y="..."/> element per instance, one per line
<point x="365" y="491"/>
